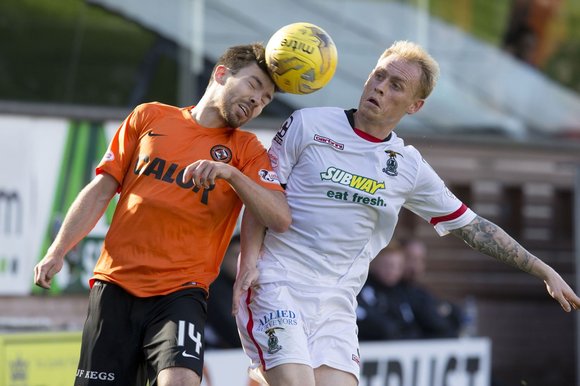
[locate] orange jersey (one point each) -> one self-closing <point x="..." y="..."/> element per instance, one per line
<point x="166" y="234"/>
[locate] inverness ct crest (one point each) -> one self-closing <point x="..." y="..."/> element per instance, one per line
<point x="392" y="164"/>
<point x="273" y="344"/>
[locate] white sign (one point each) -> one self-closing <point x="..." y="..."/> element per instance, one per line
<point x="437" y="362"/>
<point x="30" y="155"/>
<point x="449" y="362"/>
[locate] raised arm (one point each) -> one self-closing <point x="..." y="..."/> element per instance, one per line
<point x="251" y="237"/>
<point x="80" y="219"/>
<point x="269" y="206"/>
<point x="488" y="238"/>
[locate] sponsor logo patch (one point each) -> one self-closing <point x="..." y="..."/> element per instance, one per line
<point x="268" y="176"/>
<point x="109" y="156"/>
<point x="328" y="141"/>
<point x="357" y="182"/>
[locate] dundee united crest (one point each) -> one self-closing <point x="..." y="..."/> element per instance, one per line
<point x="221" y="153"/>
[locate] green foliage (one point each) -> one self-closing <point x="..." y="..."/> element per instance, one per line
<point x="484" y="19"/>
<point x="63" y="51"/>
<point x="66" y="51"/>
<point x="564" y="65"/>
<point x="487" y="20"/>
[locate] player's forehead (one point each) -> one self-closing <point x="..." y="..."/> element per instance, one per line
<point x="254" y="72"/>
<point x="397" y="66"/>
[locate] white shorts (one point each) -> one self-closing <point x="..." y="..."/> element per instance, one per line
<point x="279" y="324"/>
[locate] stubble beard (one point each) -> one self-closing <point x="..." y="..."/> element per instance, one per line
<point x="229" y="117"/>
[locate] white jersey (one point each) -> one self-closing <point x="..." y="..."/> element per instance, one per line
<point x="345" y="193"/>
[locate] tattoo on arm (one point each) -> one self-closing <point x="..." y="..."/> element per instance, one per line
<point x="486" y="237"/>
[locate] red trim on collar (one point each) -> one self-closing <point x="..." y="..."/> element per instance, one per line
<point x="367" y="136"/>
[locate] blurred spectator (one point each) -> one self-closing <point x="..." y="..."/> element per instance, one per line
<point x="384" y="312"/>
<point x="393" y="305"/>
<point x="436" y="318"/>
<point x="529" y="34"/>
<point x="221" y="330"/>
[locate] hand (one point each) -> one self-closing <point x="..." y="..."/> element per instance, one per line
<point x="205" y="172"/>
<point x="46" y="269"/>
<point x="244" y="281"/>
<point x="561" y="292"/>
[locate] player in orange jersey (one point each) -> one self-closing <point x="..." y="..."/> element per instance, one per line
<point x="183" y="175"/>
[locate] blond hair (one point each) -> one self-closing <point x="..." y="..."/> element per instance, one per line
<point x="414" y="53"/>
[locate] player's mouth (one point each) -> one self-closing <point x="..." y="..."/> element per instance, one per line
<point x="245" y="109"/>
<point x="373" y="101"/>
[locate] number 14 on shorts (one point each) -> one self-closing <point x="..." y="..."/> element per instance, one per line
<point x="192" y="334"/>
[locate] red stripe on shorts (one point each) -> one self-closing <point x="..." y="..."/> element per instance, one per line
<point x="449" y="217"/>
<point x="250" y="329"/>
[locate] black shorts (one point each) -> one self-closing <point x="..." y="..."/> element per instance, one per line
<point x="128" y="340"/>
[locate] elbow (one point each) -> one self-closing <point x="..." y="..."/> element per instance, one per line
<point x="282" y="222"/>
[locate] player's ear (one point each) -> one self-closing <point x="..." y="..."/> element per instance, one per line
<point x="416" y="106"/>
<point x="220" y="74"/>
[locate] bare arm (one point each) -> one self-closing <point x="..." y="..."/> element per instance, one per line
<point x="269" y="206"/>
<point x="486" y="237"/>
<point x="251" y="237"/>
<point x="81" y="217"/>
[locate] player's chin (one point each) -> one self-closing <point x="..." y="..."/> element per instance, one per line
<point x="243" y="119"/>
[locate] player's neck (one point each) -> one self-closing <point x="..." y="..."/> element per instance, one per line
<point x="372" y="127"/>
<point x="207" y="116"/>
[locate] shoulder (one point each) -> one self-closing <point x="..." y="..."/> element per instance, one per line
<point x="412" y="152"/>
<point x="247" y="141"/>
<point x="151" y="110"/>
<point x="245" y="136"/>
<point x="317" y="118"/>
<point x="155" y="107"/>
<point x="409" y="152"/>
<point x="319" y="112"/>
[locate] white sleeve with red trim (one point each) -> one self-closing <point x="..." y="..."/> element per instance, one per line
<point x="434" y="202"/>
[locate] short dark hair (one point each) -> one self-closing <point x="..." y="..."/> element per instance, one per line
<point x="238" y="57"/>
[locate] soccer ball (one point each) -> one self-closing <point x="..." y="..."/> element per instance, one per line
<point x="301" y="58"/>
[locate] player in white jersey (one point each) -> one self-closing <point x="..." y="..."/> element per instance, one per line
<point x="347" y="175"/>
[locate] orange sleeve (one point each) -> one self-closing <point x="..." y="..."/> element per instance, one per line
<point x="256" y="164"/>
<point x="117" y="159"/>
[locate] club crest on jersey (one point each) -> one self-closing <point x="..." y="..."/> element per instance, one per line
<point x="392" y="164"/>
<point x="273" y="343"/>
<point x="221" y="153"/>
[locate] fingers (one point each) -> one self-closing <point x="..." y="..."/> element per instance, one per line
<point x="565" y="305"/>
<point x="42" y="278"/>
<point x="564" y="295"/>
<point x="236" y="299"/>
<point x="203" y="173"/>
<point x="572" y="300"/>
<point x="241" y="286"/>
<point x="235" y="303"/>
